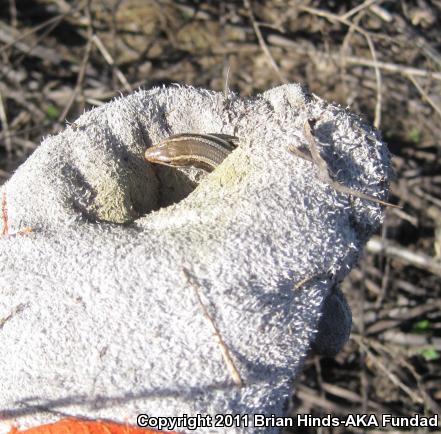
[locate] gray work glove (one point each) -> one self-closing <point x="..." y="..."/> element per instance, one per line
<point x="113" y="304"/>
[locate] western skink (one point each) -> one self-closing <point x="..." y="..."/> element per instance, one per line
<point x="205" y="151"/>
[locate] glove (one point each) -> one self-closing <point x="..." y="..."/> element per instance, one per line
<point x="132" y="288"/>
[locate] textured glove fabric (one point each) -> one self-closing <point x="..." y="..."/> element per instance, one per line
<point x="114" y="304"/>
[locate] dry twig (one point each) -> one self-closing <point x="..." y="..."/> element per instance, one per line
<point x="262" y="42"/>
<point x="379" y="363"/>
<point x="336" y="18"/>
<point x="5" y="126"/>
<point x="364" y="5"/>
<point x="424" y="94"/>
<point x="417" y="259"/>
<point x="226" y="355"/>
<point x="285" y="42"/>
<point x="324" y="172"/>
<point x="109" y="59"/>
<point x="352" y="397"/>
<point x="5" y="228"/>
<point x="400" y="363"/>
<point x="83" y="66"/>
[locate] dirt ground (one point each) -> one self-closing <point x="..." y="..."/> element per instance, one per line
<point x="381" y="58"/>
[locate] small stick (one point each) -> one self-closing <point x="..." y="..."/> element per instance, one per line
<point x="13" y="13"/>
<point x="228" y="360"/>
<point x="227" y="82"/>
<point x="364" y="5"/>
<point x="16" y="310"/>
<point x="4" y="215"/>
<point x="31" y="32"/>
<point x="262" y="42"/>
<point x="323" y="170"/>
<point x="5" y="125"/>
<point x="332" y="17"/>
<point x="417" y="259"/>
<point x="109" y="59"/>
<point x="381" y="365"/>
<point x="82" y="71"/>
<point x="424" y="94"/>
<point x="395" y="68"/>
<point x="310" y="278"/>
